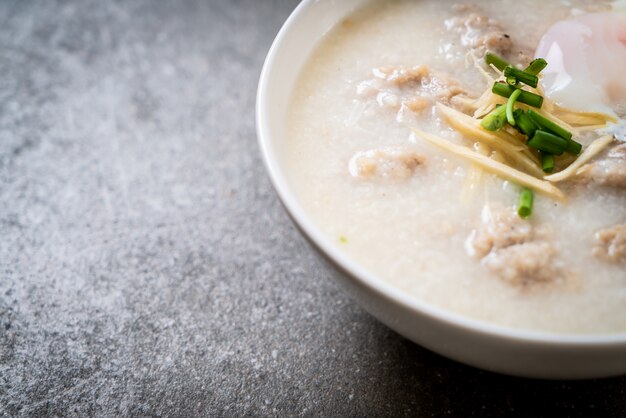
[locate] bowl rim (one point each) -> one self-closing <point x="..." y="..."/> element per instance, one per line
<point x="356" y="272"/>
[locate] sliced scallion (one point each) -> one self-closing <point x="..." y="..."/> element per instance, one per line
<point x="526" y="97"/>
<point x="521" y="76"/>
<point x="547" y="125"/>
<point x="510" y="106"/>
<point x="526" y="200"/>
<point x="547" y="162"/>
<point x="495" y="120"/>
<point x="498" y="62"/>
<point x="536" y="66"/>
<point x="573" y="147"/>
<point x="547" y="142"/>
<point x="523" y="123"/>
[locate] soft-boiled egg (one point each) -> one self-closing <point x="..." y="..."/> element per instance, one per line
<point x="586" y="58"/>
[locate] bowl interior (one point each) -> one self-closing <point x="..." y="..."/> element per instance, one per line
<point x="288" y="55"/>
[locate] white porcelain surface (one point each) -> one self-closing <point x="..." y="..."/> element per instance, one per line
<point x="483" y="345"/>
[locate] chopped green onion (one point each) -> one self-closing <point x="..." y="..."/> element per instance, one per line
<point x="509" y="106"/>
<point x="496" y="61"/>
<point x="573" y="147"/>
<point x="547" y="125"/>
<point x="524" y="123"/>
<point x="547" y="162"/>
<point x="536" y="66"/>
<point x="526" y="200"/>
<point x="511" y="81"/>
<point x="504" y="90"/>
<point x="495" y="120"/>
<point x="521" y="76"/>
<point x="547" y="142"/>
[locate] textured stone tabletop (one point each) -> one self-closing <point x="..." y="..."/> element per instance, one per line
<point x="146" y="265"/>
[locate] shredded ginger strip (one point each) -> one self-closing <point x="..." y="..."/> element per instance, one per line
<point x="591" y="151"/>
<point x="495" y="167"/>
<point x="507" y="144"/>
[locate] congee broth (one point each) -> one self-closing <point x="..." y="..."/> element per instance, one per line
<point x="402" y="153"/>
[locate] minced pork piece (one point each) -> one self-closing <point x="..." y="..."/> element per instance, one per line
<point x="480" y="34"/>
<point x="390" y="163"/>
<point x="610" y="243"/>
<point x="414" y="88"/>
<point x="608" y="171"/>
<point x="510" y="247"/>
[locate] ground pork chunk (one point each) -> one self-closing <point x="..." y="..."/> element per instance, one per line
<point x="610" y="243"/>
<point x="444" y="88"/>
<point x="480" y="34"/>
<point x="513" y="250"/>
<point x="609" y="170"/>
<point x="618" y="152"/>
<point x="414" y="88"/>
<point x="389" y="163"/>
<point x="500" y="230"/>
<point x="523" y="263"/>
<point x="402" y="76"/>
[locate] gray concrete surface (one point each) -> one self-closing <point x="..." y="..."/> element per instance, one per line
<point x="146" y="266"/>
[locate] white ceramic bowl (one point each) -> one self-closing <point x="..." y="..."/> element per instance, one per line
<point x="504" y="350"/>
